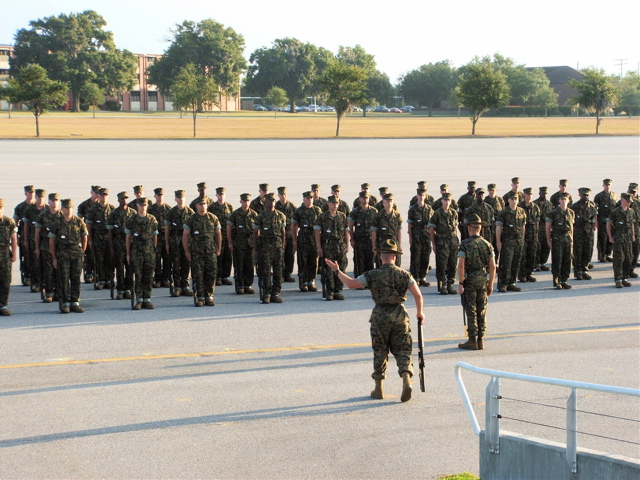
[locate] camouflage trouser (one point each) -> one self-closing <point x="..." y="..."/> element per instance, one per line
<point x="102" y="267"/>
<point x="47" y="272"/>
<point x="420" y="253"/>
<point x="622" y="258"/>
<point x="604" y="246"/>
<point x="332" y="281"/>
<point x="224" y="260"/>
<point x="362" y="255"/>
<point x="69" y="273"/>
<point x="394" y="337"/>
<point x="307" y="261"/>
<point x="510" y="256"/>
<point x="179" y="264"/>
<point x="23" y="256"/>
<point x="542" y="254"/>
<point x="204" y="267"/>
<point x="34" y="263"/>
<point x="475" y="306"/>
<point x="529" y="252"/>
<point x="89" y="267"/>
<point x="289" y="257"/>
<point x="446" y="259"/>
<point x="243" y="269"/>
<point x="143" y="258"/>
<point x="270" y="260"/>
<point x="163" y="263"/>
<point x="5" y="275"/>
<point x="635" y="250"/>
<point x="582" y="251"/>
<point x="120" y="261"/>
<point x="561" y="256"/>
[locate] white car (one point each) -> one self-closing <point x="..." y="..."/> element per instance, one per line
<point x="407" y="108"/>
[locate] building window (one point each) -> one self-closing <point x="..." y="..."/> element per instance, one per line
<point x="135" y="96"/>
<point x="4" y="53"/>
<point x="151" y="60"/>
<point x="153" y="96"/>
<point x="167" y="98"/>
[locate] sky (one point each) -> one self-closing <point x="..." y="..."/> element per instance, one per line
<point x="402" y="34"/>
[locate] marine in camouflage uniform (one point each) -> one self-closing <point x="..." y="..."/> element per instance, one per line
<point x="380" y="205"/>
<point x="387" y="224"/>
<point x="257" y="204"/>
<point x="118" y="244"/>
<point x="583" y="234"/>
<point x="360" y="220"/>
<point x="510" y="226"/>
<point x="202" y="194"/>
<point x="497" y="203"/>
<point x="342" y="205"/>
<point x="221" y="209"/>
<point x="141" y="241"/>
<point x="23" y="243"/>
<point x="515" y="185"/>
<point x="174" y="222"/>
<point x="542" y="255"/>
<point x="475" y="260"/>
<point x="82" y="210"/>
<point x="428" y="199"/>
<point x="562" y="189"/>
<point x="318" y="201"/>
<point x="464" y="202"/>
<point x="287" y="208"/>
<point x="605" y="202"/>
<point x="202" y="242"/>
<point x="159" y="210"/>
<point x="43" y="226"/>
<point x="8" y="255"/>
<point x="390" y="328"/>
<point x="138" y="192"/>
<point x="29" y="219"/>
<point x="486" y="213"/>
<point x="67" y="241"/>
<point x="332" y="236"/>
<point x="437" y="204"/>
<point x="635" y="246"/>
<point x="418" y="219"/>
<point x="365" y="188"/>
<point x="621" y="232"/>
<point x="445" y="243"/>
<point x="240" y="240"/>
<point x="269" y="239"/>
<point x="96" y="221"/>
<point x="559" y="229"/>
<point x="304" y="242"/>
<point x="532" y="224"/>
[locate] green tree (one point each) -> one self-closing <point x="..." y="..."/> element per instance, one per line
<point x="629" y="93"/>
<point x="481" y="86"/>
<point x="546" y="98"/>
<point x="4" y="95"/>
<point x="32" y="87"/>
<point x="345" y="85"/>
<point x="288" y="64"/>
<point x="92" y="95"/>
<point x="596" y="93"/>
<point x="430" y="84"/>
<point x="215" y="51"/>
<point x="75" y="49"/>
<point x="193" y="90"/>
<point x="277" y="97"/>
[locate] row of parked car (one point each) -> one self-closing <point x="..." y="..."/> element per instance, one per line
<point x="327" y="108"/>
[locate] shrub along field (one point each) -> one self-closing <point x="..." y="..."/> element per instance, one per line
<point x="248" y="125"/>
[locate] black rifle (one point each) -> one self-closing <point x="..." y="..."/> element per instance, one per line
<point x="234" y="262"/>
<point x="131" y="281"/>
<point x="300" y="269"/>
<point x="26" y="266"/>
<point x="113" y="275"/>
<point x="257" y="263"/>
<point x="323" y="277"/>
<point x="356" y="264"/>
<point x="193" y="288"/>
<point x="56" y="272"/>
<point x="95" y="266"/>
<point x="464" y="311"/>
<point x="421" y="356"/>
<point x="42" y="283"/>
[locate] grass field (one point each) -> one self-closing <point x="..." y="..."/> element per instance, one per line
<point x="249" y="125"/>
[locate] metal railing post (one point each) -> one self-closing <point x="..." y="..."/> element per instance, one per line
<point x="572" y="431"/>
<point x="492" y="414"/>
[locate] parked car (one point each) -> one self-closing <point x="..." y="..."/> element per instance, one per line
<point x="370" y="109"/>
<point x="328" y="108"/>
<point x="355" y="109"/>
<point x="259" y="108"/>
<point x="315" y="108"/>
<point x="303" y="109"/>
<point x="381" y="108"/>
<point x="407" y="108"/>
<point x="395" y="110"/>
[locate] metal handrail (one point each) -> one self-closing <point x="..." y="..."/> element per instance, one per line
<point x="492" y="412"/>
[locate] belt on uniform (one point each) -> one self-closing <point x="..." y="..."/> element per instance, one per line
<point x="388" y="305"/>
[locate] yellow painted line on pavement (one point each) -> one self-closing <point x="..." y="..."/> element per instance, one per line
<point x="292" y="349"/>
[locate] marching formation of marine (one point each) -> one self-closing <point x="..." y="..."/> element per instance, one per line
<point x="139" y="245"/>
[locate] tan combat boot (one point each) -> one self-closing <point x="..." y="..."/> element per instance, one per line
<point x="480" y="343"/>
<point x="378" y="392"/>
<point x="469" y="344"/>
<point x="406" y="387"/>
